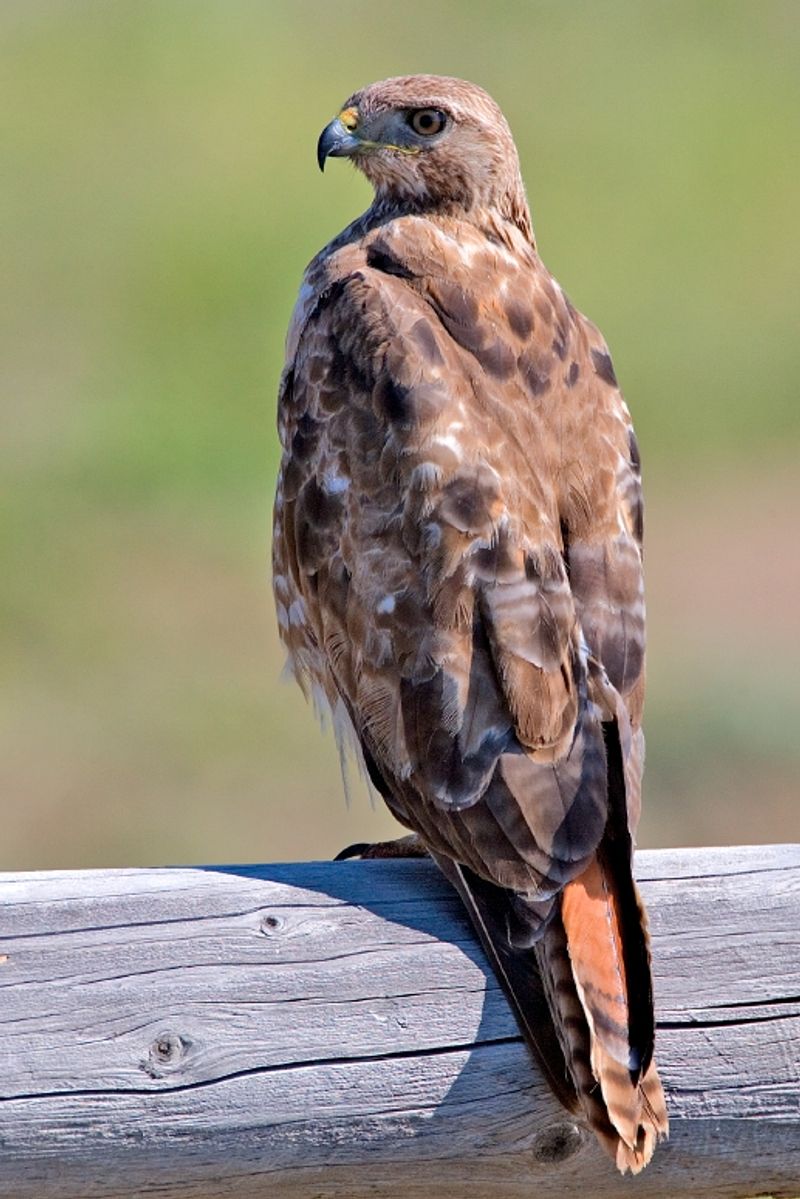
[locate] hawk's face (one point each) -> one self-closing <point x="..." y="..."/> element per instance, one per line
<point x="427" y="140"/>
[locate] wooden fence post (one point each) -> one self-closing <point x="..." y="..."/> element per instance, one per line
<point x="333" y="1030"/>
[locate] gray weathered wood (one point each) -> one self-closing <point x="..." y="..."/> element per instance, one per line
<point x="333" y="1030"/>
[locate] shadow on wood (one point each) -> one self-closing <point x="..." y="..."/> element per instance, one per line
<point x="333" y="1029"/>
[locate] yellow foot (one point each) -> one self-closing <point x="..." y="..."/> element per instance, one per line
<point x="403" y="847"/>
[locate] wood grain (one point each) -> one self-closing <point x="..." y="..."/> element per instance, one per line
<point x="333" y="1030"/>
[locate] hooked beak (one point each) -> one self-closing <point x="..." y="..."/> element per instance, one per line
<point x="335" y="141"/>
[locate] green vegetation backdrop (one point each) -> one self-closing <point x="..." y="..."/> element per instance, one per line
<point x="160" y="200"/>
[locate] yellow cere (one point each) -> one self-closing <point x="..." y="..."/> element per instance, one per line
<point x="349" y="118"/>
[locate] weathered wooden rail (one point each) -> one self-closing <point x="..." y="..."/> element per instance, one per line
<point x="332" y="1030"/>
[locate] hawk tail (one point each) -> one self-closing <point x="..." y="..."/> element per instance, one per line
<point x="594" y="964"/>
<point x="576" y="969"/>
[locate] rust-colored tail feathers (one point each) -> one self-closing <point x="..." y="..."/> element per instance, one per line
<point x="582" y="1004"/>
<point x="594" y="964"/>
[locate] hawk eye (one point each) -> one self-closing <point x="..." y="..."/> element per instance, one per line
<point x="427" y="121"/>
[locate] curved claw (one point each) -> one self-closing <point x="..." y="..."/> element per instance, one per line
<point x="358" y="850"/>
<point x="403" y="847"/>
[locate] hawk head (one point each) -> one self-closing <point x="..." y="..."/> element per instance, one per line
<point x="428" y="142"/>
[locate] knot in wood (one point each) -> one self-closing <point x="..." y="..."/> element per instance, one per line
<point x="272" y="924"/>
<point x="166" y="1053"/>
<point x="557" y="1143"/>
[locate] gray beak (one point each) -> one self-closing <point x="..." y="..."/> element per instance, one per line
<point x="335" y="142"/>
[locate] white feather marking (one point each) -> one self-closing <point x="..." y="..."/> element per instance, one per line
<point x="297" y="612"/>
<point x="348" y="747"/>
<point x="281" y="588"/>
<point x="335" y="484"/>
<point x="432" y="534"/>
<point x="426" y="476"/>
<point x="448" y="440"/>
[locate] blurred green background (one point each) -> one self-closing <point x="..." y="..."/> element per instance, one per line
<point x="159" y="201"/>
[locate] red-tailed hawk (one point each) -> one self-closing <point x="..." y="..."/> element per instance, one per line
<point x="458" y="574"/>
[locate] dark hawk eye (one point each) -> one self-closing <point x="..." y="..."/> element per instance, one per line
<point x="427" y="121"/>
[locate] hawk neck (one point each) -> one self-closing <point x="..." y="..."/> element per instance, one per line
<point x="490" y="219"/>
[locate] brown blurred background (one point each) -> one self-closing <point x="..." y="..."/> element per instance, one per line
<point x="160" y="200"/>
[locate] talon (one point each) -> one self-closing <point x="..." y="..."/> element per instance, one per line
<point x="359" y="850"/>
<point x="404" y="847"/>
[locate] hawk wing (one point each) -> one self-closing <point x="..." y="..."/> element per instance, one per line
<point x="458" y="568"/>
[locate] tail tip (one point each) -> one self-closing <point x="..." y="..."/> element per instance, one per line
<point x="634" y="1158"/>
